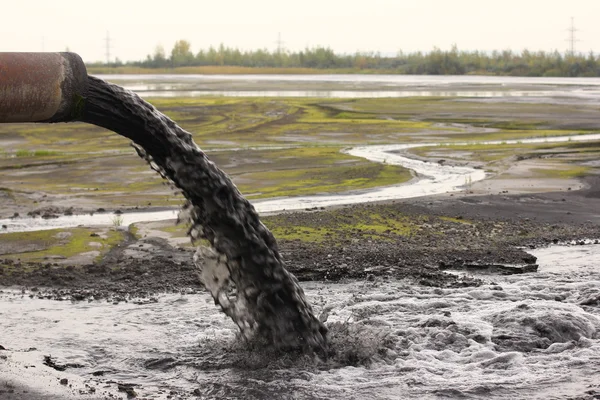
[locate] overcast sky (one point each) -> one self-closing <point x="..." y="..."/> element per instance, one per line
<point x="137" y="26"/>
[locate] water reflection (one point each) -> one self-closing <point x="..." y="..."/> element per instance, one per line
<point x="150" y="91"/>
<point x="365" y="86"/>
<point x="415" y="80"/>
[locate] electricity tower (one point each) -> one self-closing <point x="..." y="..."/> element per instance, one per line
<point x="107" y="41"/>
<point x="279" y="43"/>
<point x="572" y="40"/>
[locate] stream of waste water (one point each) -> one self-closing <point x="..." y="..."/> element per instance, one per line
<point x="242" y="268"/>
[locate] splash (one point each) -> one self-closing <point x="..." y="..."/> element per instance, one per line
<point x="242" y="269"/>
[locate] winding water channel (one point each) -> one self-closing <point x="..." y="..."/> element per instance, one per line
<point x="430" y="179"/>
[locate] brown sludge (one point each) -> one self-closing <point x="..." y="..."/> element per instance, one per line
<point x="243" y="268"/>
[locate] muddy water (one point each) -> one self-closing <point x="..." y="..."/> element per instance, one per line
<point x="527" y="336"/>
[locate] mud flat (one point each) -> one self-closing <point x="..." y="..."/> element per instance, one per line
<point x="276" y="147"/>
<point x="405" y="238"/>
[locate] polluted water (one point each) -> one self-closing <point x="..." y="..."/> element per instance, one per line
<point x="529" y="336"/>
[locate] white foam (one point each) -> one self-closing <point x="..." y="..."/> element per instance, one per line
<point x="531" y="339"/>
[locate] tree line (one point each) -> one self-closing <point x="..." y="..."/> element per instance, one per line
<point x="435" y="62"/>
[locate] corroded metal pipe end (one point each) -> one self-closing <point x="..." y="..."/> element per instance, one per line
<point x="41" y="87"/>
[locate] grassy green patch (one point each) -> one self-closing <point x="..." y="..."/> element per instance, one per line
<point x="40" y="245"/>
<point x="178" y="230"/>
<point x="456" y="220"/>
<point x="562" y="172"/>
<point x="134" y="231"/>
<point x="35" y="153"/>
<point x="302" y="233"/>
<point x="333" y="179"/>
<point x="339" y="225"/>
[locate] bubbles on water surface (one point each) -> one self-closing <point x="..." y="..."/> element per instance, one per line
<point x="526" y="336"/>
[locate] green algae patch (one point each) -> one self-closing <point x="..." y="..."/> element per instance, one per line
<point x="177" y="230"/>
<point x="35" y="153"/>
<point x="562" y="172"/>
<point x="337" y="226"/>
<point x="364" y="223"/>
<point x="456" y="220"/>
<point x="302" y="233"/>
<point x="334" y="179"/>
<point x="58" y="244"/>
<point x="134" y="231"/>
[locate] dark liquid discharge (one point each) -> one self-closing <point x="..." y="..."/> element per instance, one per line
<point x="243" y="268"/>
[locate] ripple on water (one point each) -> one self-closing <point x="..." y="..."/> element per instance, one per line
<point x="523" y="336"/>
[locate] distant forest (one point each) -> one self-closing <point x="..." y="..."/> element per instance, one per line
<point x="435" y="62"/>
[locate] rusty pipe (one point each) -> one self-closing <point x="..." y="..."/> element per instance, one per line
<point x="41" y="87"/>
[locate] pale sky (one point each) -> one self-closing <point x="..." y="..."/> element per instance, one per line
<point x="137" y="26"/>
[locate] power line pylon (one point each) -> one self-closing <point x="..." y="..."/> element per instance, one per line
<point x="279" y="43"/>
<point x="572" y="40"/>
<point x="107" y="41"/>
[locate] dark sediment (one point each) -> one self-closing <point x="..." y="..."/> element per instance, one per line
<point x="267" y="299"/>
<point x="485" y="238"/>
